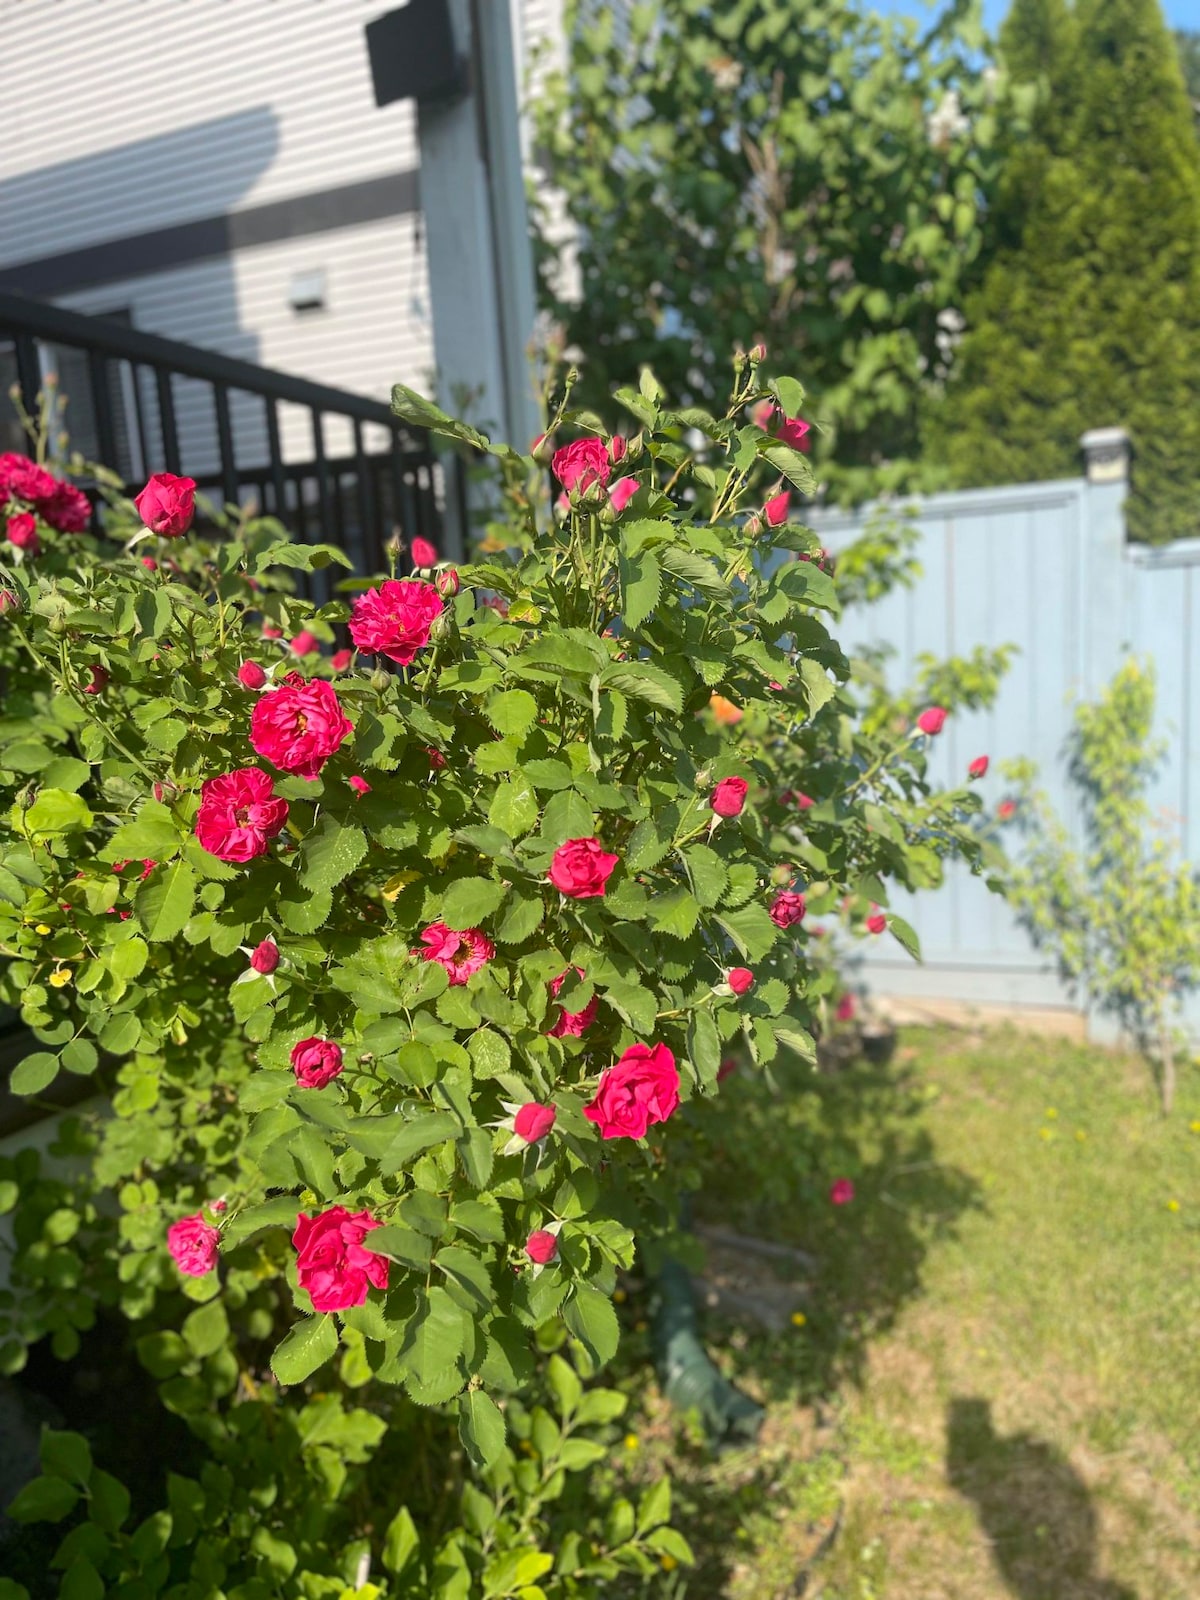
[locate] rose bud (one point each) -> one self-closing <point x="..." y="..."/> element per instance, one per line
<point x="265" y="957"/>
<point x="533" y="1122"/>
<point x="978" y="767"/>
<point x="786" y="909"/>
<point x="740" y="979"/>
<point x="359" y="785"/>
<point x="776" y="509"/>
<point x="303" y="644"/>
<point x="164" y="791"/>
<point x="270" y="631"/>
<point x="99" y="681"/>
<point x="729" y="797"/>
<point x="542" y="449"/>
<point x="22" y="533"/>
<point x="616" y="448"/>
<point x="149" y="563"/>
<point x="341" y="659"/>
<point x="423" y="553"/>
<point x="541" y="1247"/>
<point x="436" y="759"/>
<point x="841" y="1192"/>
<point x="876" y="922"/>
<point x="251" y="675"/>
<point x="932" y="720"/>
<point x="9" y="601"/>
<point x="758" y="352"/>
<point x="167" y="504"/>
<point x="446" y="583"/>
<point x="1006" y="810"/>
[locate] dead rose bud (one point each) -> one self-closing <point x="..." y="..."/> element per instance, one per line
<point x="99" y="680"/>
<point x="446" y="583"/>
<point x="9" y="601"/>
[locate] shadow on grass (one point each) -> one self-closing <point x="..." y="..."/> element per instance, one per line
<point x="1033" y="1506"/>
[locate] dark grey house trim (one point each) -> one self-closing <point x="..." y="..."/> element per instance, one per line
<point x="136" y="255"/>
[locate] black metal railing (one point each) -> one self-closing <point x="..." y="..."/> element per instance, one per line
<point x="329" y="464"/>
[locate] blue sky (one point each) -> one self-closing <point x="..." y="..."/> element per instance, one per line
<point x="1180" y="13"/>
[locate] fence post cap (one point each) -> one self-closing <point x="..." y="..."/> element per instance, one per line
<point x="1105" y="454"/>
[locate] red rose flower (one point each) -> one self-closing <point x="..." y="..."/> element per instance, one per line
<point x="239" y="815"/>
<point x="740" y="979"/>
<point x="341" y="659"/>
<point x="571" y="1023"/>
<point x="299" y="725"/>
<point x="578" y="466"/>
<point x="776" y="509"/>
<point x="786" y="909"/>
<point x="251" y="675"/>
<point x="265" y="957"/>
<point x="67" y="510"/>
<point x="581" y="868"/>
<point x="22" y="533"/>
<point x="978" y="767"/>
<point x="359" y="785"/>
<point x="541" y="1247"/>
<point x="932" y="721"/>
<point x="423" y="553"/>
<point x="639" y="1091"/>
<point x="841" y="1192"/>
<point x="193" y="1245"/>
<point x="167" y="504"/>
<point x="845" y="1008"/>
<point x="304" y="643"/>
<point x="876" y="922"/>
<point x="462" y="953"/>
<point x="621" y="493"/>
<point x="791" y="430"/>
<point x="533" y="1122"/>
<point x="729" y="797"/>
<point x="316" y="1062"/>
<point x="331" y="1263"/>
<point x="394" y="620"/>
<point x="24" y="479"/>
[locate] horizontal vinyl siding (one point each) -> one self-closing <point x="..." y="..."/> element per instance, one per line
<point x="165" y="112"/>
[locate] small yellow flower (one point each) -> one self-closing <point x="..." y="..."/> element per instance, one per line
<point x="620" y="1297"/>
<point x="1045" y="1133"/>
<point x="798" y="1319"/>
<point x="43" y="928"/>
<point x="59" y="978"/>
<point x="1051" y="1113"/>
<point x="1080" y="1135"/>
<point x="1195" y="1126"/>
<point x="1172" y="1205"/>
<point x="632" y="1441"/>
<point x="668" y="1562"/>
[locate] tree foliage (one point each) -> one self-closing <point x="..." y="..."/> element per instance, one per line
<point x="1089" y="313"/>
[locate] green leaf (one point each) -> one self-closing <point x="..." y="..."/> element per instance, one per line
<point x="80" y="1056"/>
<point x="816" y="682"/>
<point x="479" y="1217"/>
<point x="206" y="1329"/>
<point x="512" y="712"/>
<point x="470" y="1283"/>
<point x="109" y="1502"/>
<point x="307" y="1346"/>
<point x="165" y="901"/>
<point x="398" y="1243"/>
<point x="906" y="934"/>
<point x="697" y="571"/>
<point x="120" y="1034"/>
<point x="641" y="584"/>
<point x="704" y="1047"/>
<point x="654" y="1507"/>
<point x="433" y="1339"/>
<point x="81" y="1581"/>
<point x="514" y="806"/>
<point x="469" y="900"/>
<point x="127" y="959"/>
<point x="751" y="929"/>
<point x="481" y="1429"/>
<point x="44" y="1500"/>
<point x="393" y="1141"/>
<point x="790" y="395"/>
<point x="331" y="852"/>
<point x="66" y="1455"/>
<point x="401" y="1543"/>
<point x="34" y="1074"/>
<point x="564" y="1385"/>
<point x="641" y="681"/>
<point x="590" y="1317"/>
<point x="57" y="811"/>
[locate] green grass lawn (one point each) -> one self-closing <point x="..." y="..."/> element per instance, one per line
<point x="994" y="1369"/>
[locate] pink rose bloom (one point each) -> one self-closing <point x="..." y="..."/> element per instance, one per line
<point x="22" y="532"/>
<point x="316" y="1062"/>
<point x="845" y="1008"/>
<point x="193" y="1245"/>
<point x="791" y="430"/>
<point x="149" y="563"/>
<point x="639" y="1091"/>
<point x="581" y="868"/>
<point x="932" y="721"/>
<point x="341" y="659"/>
<point x="265" y="957"/>
<point x="727" y="1069"/>
<point x="99" y="683"/>
<point x="251" y="675"/>
<point x="423" y="553"/>
<point x="533" y="1122"/>
<point x="740" y="979"/>
<point x="23" y="478"/>
<point x="776" y="509"/>
<point x="359" y="785"/>
<point x="978" y="767"/>
<point x="67" y="510"/>
<point x="239" y="815"/>
<point x="541" y="1247"/>
<point x="572" y="1024"/>
<point x="167" y="504"/>
<point x="331" y="1263"/>
<point x="578" y="466"/>
<point x="299" y="725"/>
<point x="804" y="802"/>
<point x="876" y="922"/>
<point x="270" y="631"/>
<point x="841" y="1192"/>
<point x="462" y="953"/>
<point x="394" y="620"/>
<point x="446" y="583"/>
<point x="786" y="909"/>
<point x="621" y="493"/>
<point x="1006" y="810"/>
<point x="729" y="797"/>
<point x="304" y="643"/>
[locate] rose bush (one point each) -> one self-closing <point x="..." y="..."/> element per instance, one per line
<point x="394" y="910"/>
